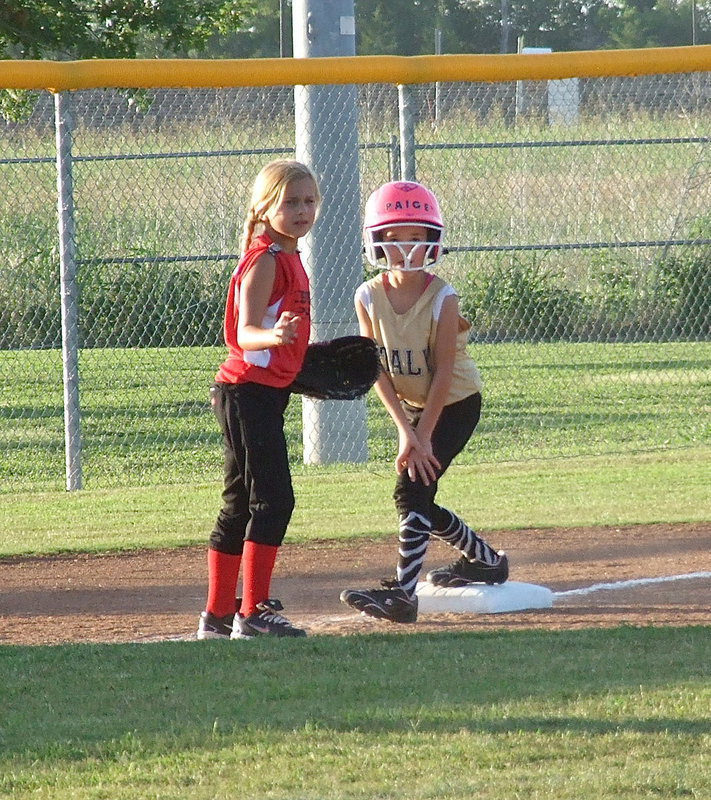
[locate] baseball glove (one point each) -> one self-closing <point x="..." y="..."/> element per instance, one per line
<point x="341" y="369"/>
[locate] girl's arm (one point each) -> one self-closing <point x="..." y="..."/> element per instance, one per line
<point x="410" y="456"/>
<point x="254" y="293"/>
<point x="445" y="350"/>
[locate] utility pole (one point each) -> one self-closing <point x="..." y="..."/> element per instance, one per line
<point x="505" y="28"/>
<point x="327" y="141"/>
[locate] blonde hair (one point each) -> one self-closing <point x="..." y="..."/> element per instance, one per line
<point x="268" y="191"/>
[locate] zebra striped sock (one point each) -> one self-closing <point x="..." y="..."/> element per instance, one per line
<point x="413" y="540"/>
<point x="461" y="537"/>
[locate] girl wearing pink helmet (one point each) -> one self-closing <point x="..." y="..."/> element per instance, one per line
<point x="429" y="385"/>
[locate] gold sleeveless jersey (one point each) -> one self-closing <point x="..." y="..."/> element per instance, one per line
<point x="406" y="342"/>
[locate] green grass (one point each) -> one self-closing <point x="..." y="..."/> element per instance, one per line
<point x="152" y="455"/>
<point x="146" y="418"/>
<point x="343" y="504"/>
<point x="599" y="713"/>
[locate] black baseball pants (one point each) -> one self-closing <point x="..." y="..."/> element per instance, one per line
<point x="453" y="430"/>
<point x="258" y="497"/>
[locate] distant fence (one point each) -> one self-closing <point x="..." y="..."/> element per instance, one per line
<point x="577" y="210"/>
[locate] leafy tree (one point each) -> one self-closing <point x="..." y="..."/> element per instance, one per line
<point x="78" y="29"/>
<point x="112" y="28"/>
<point x="406" y="27"/>
<point x="567" y="25"/>
<point x="395" y="27"/>
<point x="266" y="32"/>
<point x="655" y="23"/>
<point x="470" y="27"/>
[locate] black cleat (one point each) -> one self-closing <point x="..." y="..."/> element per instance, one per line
<point x="391" y="602"/>
<point x="462" y="571"/>
<point x="265" y="621"/>
<point x="212" y="627"/>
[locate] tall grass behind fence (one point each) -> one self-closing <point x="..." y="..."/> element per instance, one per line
<point x="580" y="245"/>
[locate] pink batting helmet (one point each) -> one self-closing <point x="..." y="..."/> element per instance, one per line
<point x="401" y="203"/>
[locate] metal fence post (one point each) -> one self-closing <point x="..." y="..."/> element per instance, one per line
<point x="68" y="289"/>
<point x="408" y="167"/>
<point x="438" y="93"/>
<point x="394" y="158"/>
<point x="332" y="430"/>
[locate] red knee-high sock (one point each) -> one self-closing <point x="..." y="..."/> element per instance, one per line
<point x="257" y="574"/>
<point x="222" y="572"/>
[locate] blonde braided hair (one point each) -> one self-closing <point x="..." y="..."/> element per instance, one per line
<point x="268" y="191"/>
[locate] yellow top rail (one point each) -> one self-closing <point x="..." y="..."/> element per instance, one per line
<point x="219" y="73"/>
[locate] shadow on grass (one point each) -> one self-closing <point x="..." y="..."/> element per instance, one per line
<point x="83" y="696"/>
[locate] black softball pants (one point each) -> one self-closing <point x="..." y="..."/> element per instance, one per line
<point x="453" y="430"/>
<point x="258" y="497"/>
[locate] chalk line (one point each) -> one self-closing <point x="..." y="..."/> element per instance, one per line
<point x="628" y="584"/>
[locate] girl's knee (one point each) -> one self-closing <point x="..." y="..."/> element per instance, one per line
<point x="269" y="522"/>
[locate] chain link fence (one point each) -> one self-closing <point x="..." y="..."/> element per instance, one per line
<point x="578" y="223"/>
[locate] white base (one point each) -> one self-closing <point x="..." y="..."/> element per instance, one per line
<point x="480" y="598"/>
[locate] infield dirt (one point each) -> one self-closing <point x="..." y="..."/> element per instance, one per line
<point x="157" y="595"/>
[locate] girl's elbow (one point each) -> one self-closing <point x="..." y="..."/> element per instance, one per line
<point x="246" y="341"/>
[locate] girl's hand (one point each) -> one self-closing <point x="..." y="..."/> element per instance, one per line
<point x="418" y="460"/>
<point x="286" y="328"/>
<point x="426" y="445"/>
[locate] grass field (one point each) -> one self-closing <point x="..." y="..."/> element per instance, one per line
<point x="146" y="419"/>
<point x="601" y="490"/>
<point x="617" y="713"/>
<point x="196" y="203"/>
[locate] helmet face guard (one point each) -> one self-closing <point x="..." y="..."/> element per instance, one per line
<point x="400" y="254"/>
<point x="398" y="204"/>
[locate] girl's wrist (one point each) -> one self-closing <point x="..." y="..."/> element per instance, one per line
<point x="423" y="431"/>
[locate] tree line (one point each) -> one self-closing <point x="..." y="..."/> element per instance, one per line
<point x="407" y="27"/>
<point x="262" y="28"/>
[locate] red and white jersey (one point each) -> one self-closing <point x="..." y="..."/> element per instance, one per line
<point x="273" y="366"/>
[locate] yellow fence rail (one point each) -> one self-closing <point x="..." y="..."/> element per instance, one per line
<point x="57" y="76"/>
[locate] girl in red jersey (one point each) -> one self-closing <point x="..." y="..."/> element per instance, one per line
<point x="267" y="325"/>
